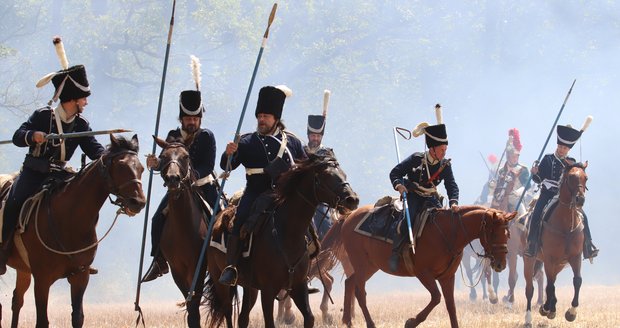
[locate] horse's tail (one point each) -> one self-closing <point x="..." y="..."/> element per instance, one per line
<point x="332" y="242"/>
<point x="216" y="306"/>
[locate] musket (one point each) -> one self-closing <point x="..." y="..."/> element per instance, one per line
<point x="150" y="184"/>
<point x="74" y="135"/>
<point x="542" y="151"/>
<point x="216" y="208"/>
<point x="405" y="204"/>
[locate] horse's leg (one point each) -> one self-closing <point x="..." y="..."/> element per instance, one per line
<point x="491" y="287"/>
<point x="512" y="277"/>
<point x="360" y="294"/>
<point x="41" y="296"/>
<point x="349" y="290"/>
<point x="78" y="284"/>
<point x="447" y="289"/>
<point x="528" y="275"/>
<point x="575" y="264"/>
<point x="21" y="286"/>
<point x="249" y="299"/>
<point x="280" y="313"/>
<point x="328" y="282"/>
<point x="299" y="294"/>
<point x="540" y="279"/>
<point x="289" y="316"/>
<point x="267" y="297"/>
<point x="429" y="283"/>
<point x="470" y="276"/>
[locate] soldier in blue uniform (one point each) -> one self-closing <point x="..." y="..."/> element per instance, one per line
<point x="422" y="173"/>
<point x="548" y="174"/>
<point x="201" y="146"/>
<point x="47" y="158"/>
<point x="265" y="154"/>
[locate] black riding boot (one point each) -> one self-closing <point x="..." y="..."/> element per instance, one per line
<point x="397" y="247"/>
<point x="589" y="250"/>
<point x="533" y="237"/>
<point x="158" y="268"/>
<point x="229" y="275"/>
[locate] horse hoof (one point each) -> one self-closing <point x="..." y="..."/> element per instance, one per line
<point x="493" y="300"/>
<point x="571" y="314"/>
<point x="551" y="315"/>
<point x="543" y="311"/>
<point x="289" y="319"/>
<point x="411" y="323"/>
<point x="328" y="319"/>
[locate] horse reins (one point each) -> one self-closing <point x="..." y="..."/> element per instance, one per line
<point x="115" y="190"/>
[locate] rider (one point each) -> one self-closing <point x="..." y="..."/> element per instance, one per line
<point x="511" y="177"/>
<point x="47" y="158"/>
<point x="265" y="154"/>
<point x="548" y="173"/>
<point x="201" y="146"/>
<point x="424" y="172"/>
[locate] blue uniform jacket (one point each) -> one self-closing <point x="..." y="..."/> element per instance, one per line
<point x="256" y="151"/>
<point x="413" y="169"/>
<point x="550" y="171"/>
<point x="201" y="151"/>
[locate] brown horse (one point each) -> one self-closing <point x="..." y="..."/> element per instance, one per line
<point x="279" y="257"/>
<point x="185" y="226"/>
<point x="562" y="243"/>
<point x="61" y="240"/>
<point x="438" y="254"/>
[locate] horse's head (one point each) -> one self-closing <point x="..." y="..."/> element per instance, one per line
<point x="573" y="187"/>
<point x="175" y="164"/>
<point x="326" y="183"/>
<point x="123" y="172"/>
<point x="494" y="237"/>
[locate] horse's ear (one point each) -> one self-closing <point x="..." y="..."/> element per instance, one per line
<point x="134" y="140"/>
<point x="160" y="142"/>
<point x="585" y="165"/>
<point x="511" y="216"/>
<point x="113" y="139"/>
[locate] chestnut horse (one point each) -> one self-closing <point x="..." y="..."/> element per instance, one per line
<point x="279" y="256"/>
<point x="561" y="243"/>
<point x="438" y="253"/>
<point x="185" y="226"/>
<point x="61" y="240"/>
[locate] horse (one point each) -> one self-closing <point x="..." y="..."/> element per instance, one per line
<point x="279" y="256"/>
<point x="437" y="256"/>
<point x="185" y="226"/>
<point x="562" y="243"/>
<point x="61" y="240"/>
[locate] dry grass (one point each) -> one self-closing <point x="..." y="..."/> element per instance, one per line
<point x="600" y="307"/>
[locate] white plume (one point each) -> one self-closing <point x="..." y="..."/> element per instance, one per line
<point x="287" y="91"/>
<point x="326" y="95"/>
<point x="60" y="52"/>
<point x="419" y="129"/>
<point x="438" y="114"/>
<point x="587" y="122"/>
<point x="196" y="71"/>
<point x="46" y="79"/>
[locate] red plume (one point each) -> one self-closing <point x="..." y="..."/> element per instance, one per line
<point x="516" y="139"/>
<point x="492" y="159"/>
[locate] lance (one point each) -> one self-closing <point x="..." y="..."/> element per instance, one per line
<point x="485" y="161"/>
<point x="216" y="208"/>
<point x="148" y="194"/>
<point x="542" y="151"/>
<point x="74" y="135"/>
<point x="405" y="204"/>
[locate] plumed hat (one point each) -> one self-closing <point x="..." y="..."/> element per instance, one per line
<point x="435" y="135"/>
<point x="70" y="82"/>
<point x="190" y="101"/>
<point x="514" y="142"/>
<point x="316" y="123"/>
<point x="271" y="100"/>
<point x="567" y="136"/>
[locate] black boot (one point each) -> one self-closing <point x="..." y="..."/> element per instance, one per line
<point x="397" y="247"/>
<point x="158" y="268"/>
<point x="533" y="236"/>
<point x="229" y="275"/>
<point x="589" y="250"/>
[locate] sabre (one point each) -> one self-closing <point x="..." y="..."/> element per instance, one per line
<point x="542" y="151"/>
<point x="150" y="184"/>
<point x="216" y="208"/>
<point x="74" y="135"/>
<point x="405" y="204"/>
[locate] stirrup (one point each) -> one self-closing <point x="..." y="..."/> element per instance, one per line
<point x="230" y="281"/>
<point x="155" y="271"/>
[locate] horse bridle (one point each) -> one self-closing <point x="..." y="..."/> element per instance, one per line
<point x="335" y="202"/>
<point x="166" y="165"/>
<point x="495" y="247"/>
<point x="574" y="194"/>
<point x="104" y="164"/>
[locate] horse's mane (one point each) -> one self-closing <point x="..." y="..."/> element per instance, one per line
<point x="289" y="181"/>
<point x="122" y="144"/>
<point x="578" y="164"/>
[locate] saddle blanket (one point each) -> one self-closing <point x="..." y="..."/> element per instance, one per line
<point x="220" y="243"/>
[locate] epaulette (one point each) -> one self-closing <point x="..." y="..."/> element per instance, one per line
<point x="291" y="134"/>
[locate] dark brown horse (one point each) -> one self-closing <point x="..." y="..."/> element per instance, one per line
<point x="279" y="257"/>
<point x="562" y="243"/>
<point x="438" y="254"/>
<point x="60" y="240"/>
<point x="185" y="226"/>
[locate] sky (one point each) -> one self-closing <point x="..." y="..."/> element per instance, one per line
<point x="514" y="69"/>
